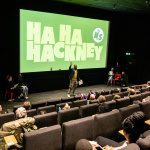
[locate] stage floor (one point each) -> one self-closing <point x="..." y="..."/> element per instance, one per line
<point x="44" y="96"/>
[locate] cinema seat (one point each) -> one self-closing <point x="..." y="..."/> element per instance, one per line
<point x="35" y="105"/>
<point x="6" y="118"/>
<point x="67" y="115"/>
<point x="46" y="120"/>
<point x="48" y="138"/>
<point x="79" y="103"/>
<point x="123" y="102"/>
<point x="128" y="110"/>
<point x="31" y="112"/>
<point x="46" y="109"/>
<point x="75" y="130"/>
<point x="107" y="124"/>
<point x="54" y="101"/>
<point x="145" y="107"/>
<point x="89" y="110"/>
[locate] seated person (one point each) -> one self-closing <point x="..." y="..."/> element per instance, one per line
<point x="131" y="91"/>
<point x="124" y="79"/>
<point x="27" y="105"/>
<point x="66" y="107"/>
<point x="19" y="126"/>
<point x="1" y="109"/>
<point x="116" y="78"/>
<point x="101" y="100"/>
<point x="133" y="127"/>
<point x="116" y="96"/>
<point x="92" y="97"/>
<point x="148" y="83"/>
<point x="117" y="90"/>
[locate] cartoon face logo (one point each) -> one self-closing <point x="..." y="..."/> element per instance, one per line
<point x="98" y="35"/>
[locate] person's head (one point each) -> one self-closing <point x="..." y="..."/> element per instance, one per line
<point x="75" y="67"/>
<point x="1" y="109"/>
<point x="148" y="83"/>
<point x="101" y="99"/>
<point x="21" y="113"/>
<point x="27" y="105"/>
<point x="133" y="126"/>
<point x="9" y="78"/>
<point x="66" y="107"/>
<point x="116" y="96"/>
<point x="117" y="90"/>
<point x="92" y="96"/>
<point x="123" y="73"/>
<point x="131" y="91"/>
<point x="83" y="144"/>
<point x="112" y="69"/>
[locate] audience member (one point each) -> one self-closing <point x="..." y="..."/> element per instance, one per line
<point x="1" y="109"/>
<point x="19" y="126"/>
<point x="133" y="127"/>
<point x="148" y="83"/>
<point x="131" y="91"/>
<point x="27" y="105"/>
<point x="66" y="107"/>
<point x="117" y="90"/>
<point x="116" y="96"/>
<point x="101" y="100"/>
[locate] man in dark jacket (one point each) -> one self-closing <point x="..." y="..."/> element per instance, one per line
<point x="74" y="78"/>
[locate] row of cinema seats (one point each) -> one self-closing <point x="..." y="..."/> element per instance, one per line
<point x="65" y="137"/>
<point x="79" y="109"/>
<point x="78" y="128"/>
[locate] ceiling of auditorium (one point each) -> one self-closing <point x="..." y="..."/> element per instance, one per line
<point x="137" y="6"/>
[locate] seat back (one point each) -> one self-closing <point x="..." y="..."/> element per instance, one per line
<point x="109" y="97"/>
<point x="46" y="120"/>
<point x="31" y="112"/>
<point x="67" y="115"/>
<point x="135" y="97"/>
<point x="110" y="105"/>
<point x="88" y="110"/>
<point x="61" y="105"/>
<point x="128" y="110"/>
<point x="75" y="130"/>
<point x="145" y="94"/>
<point x="125" y="93"/>
<point x="68" y="99"/>
<point x="35" y="105"/>
<point x="46" y="109"/>
<point x="6" y="118"/>
<point x="144" y="143"/>
<point x="53" y="101"/>
<point x="144" y="89"/>
<point x="145" y="107"/>
<point x="107" y="124"/>
<point x="123" y="102"/>
<point x="49" y="138"/>
<point x="79" y="103"/>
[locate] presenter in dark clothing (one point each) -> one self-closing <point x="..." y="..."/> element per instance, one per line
<point x="124" y="79"/>
<point x="74" y="78"/>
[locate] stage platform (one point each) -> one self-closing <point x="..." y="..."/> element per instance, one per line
<point x="62" y="93"/>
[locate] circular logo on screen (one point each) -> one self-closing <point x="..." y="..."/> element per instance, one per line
<point x="98" y="35"/>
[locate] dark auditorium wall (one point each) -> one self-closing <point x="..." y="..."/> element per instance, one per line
<point x="128" y="32"/>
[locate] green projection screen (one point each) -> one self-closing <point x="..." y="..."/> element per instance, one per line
<point x="49" y="42"/>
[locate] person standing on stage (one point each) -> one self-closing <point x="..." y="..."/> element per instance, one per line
<point x="110" y="76"/>
<point x="74" y="78"/>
